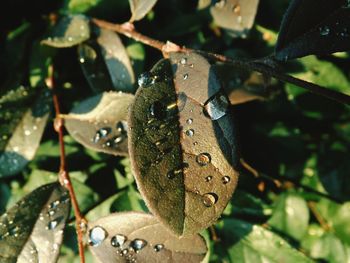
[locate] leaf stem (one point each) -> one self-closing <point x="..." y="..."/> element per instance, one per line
<point x="63" y="175"/>
<point x="259" y="66"/>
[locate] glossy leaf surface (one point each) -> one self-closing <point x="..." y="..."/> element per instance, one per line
<point x="140" y="8"/>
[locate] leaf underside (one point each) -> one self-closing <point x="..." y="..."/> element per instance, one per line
<point x="140" y="8"/>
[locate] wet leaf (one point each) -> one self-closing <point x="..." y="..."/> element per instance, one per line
<point x="290" y="215"/>
<point x="22" y="126"/>
<point x="136" y="236"/>
<point x="31" y="231"/>
<point x="117" y="60"/>
<point x="237" y="16"/>
<point x="70" y="31"/>
<point x="253" y="243"/>
<point x="140" y="8"/>
<point x="99" y="122"/>
<point x="314" y="27"/>
<point x="182" y="143"/>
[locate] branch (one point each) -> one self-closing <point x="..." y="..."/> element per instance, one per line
<point x="129" y="31"/>
<point x="63" y="175"/>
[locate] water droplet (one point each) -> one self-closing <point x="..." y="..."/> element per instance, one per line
<point x="52" y="225"/>
<point x="324" y="31"/>
<point x="27" y="132"/>
<point x="82" y="60"/>
<point x="54" y="204"/>
<point x="183" y="61"/>
<point x="118" y="240"/>
<point x="209" y="199"/>
<point x="189" y="132"/>
<point x="51" y="212"/>
<point x="101" y="133"/>
<point x="173" y="173"/>
<point x="70" y="39"/>
<point x="226" y="179"/>
<point x="145" y="79"/>
<point x="185" y="76"/>
<point x="157" y="110"/>
<point x="216" y="106"/>
<point x="203" y="159"/>
<point x="220" y="4"/>
<point x="189" y="121"/>
<point x="181" y="101"/>
<point x="138" y="244"/>
<point x="208" y="178"/>
<point x="158" y="247"/>
<point x="97" y="235"/>
<point x="121" y="126"/>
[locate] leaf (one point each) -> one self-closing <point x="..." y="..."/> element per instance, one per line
<point x="117" y="60"/>
<point x="140" y="237"/>
<point x="291" y="215"/>
<point x="314" y="27"/>
<point x="182" y="144"/>
<point x="99" y="122"/>
<point x="22" y="126"/>
<point x="140" y="8"/>
<point x="32" y="229"/>
<point x="70" y="31"/>
<point x="252" y="243"/>
<point x="237" y="16"/>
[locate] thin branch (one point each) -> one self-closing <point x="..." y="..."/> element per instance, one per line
<point x="128" y="30"/>
<point x="323" y="223"/>
<point x="63" y="175"/>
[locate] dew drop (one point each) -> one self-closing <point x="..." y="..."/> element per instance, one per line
<point x="203" y="159"/>
<point x="173" y="173"/>
<point x="189" y="132"/>
<point x="118" y="240"/>
<point x="208" y="178"/>
<point x="189" y="121"/>
<point x="82" y="60"/>
<point x="324" y="31"/>
<point x="121" y="126"/>
<point x="54" y="204"/>
<point x="158" y="247"/>
<point x="185" y="76"/>
<point x="97" y="235"/>
<point x="52" y="225"/>
<point x="216" y="107"/>
<point x="226" y="179"/>
<point x="51" y="212"/>
<point x="183" y="61"/>
<point x="101" y="133"/>
<point x="209" y="199"/>
<point x="145" y="79"/>
<point x="138" y="244"/>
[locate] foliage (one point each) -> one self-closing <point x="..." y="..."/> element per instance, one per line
<point x="155" y="145"/>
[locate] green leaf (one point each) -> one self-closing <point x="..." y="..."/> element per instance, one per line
<point x="182" y="143"/>
<point x="290" y="215"/>
<point x="138" y="236"/>
<point x="252" y="243"/>
<point x="99" y="122"/>
<point x="140" y="8"/>
<point x="32" y="229"/>
<point x="128" y="200"/>
<point x="22" y="126"/>
<point x="70" y="31"/>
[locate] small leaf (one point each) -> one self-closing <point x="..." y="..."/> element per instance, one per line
<point x="252" y="243"/>
<point x="125" y="237"/>
<point x="182" y="143"/>
<point x="70" y="31"/>
<point x="314" y="27"/>
<point x="140" y="8"/>
<point x="99" y="122"/>
<point x="237" y="16"/>
<point x="31" y="231"/>
<point x="117" y="60"/>
<point x="22" y="128"/>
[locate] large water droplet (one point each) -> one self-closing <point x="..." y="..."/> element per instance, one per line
<point x="216" y="106"/>
<point x="189" y="132"/>
<point x="97" y="235"/>
<point x="226" y="179"/>
<point x="118" y="240"/>
<point x="158" y="247"/>
<point x="138" y="244"/>
<point x="145" y="79"/>
<point x="203" y="159"/>
<point x="101" y="133"/>
<point x="324" y="30"/>
<point x="209" y="199"/>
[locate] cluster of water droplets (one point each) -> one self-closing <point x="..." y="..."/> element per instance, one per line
<point x="234" y="8"/>
<point x="110" y="137"/>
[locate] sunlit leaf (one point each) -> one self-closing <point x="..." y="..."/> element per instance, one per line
<point x="140" y="237"/>
<point x="182" y="143"/>
<point x="31" y="231"/>
<point x="70" y="31"/>
<point x="314" y="27"/>
<point x="99" y="122"/>
<point x="140" y="8"/>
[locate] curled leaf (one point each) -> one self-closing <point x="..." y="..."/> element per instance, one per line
<point x="99" y="122"/>
<point x="140" y="8"/>
<point x="70" y="31"/>
<point x="31" y="231"/>
<point x="182" y="143"/>
<point x="139" y="237"/>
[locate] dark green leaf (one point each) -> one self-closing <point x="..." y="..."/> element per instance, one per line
<point x="140" y="8"/>
<point x="99" y="122"/>
<point x="182" y="143"/>
<point x="32" y="229"/>
<point x="70" y="31"/>
<point x="314" y="27"/>
<point x="137" y="236"/>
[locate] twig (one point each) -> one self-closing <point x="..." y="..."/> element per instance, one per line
<point x="213" y="234"/>
<point x="259" y="66"/>
<point x="63" y="175"/>
<point x="323" y="223"/>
